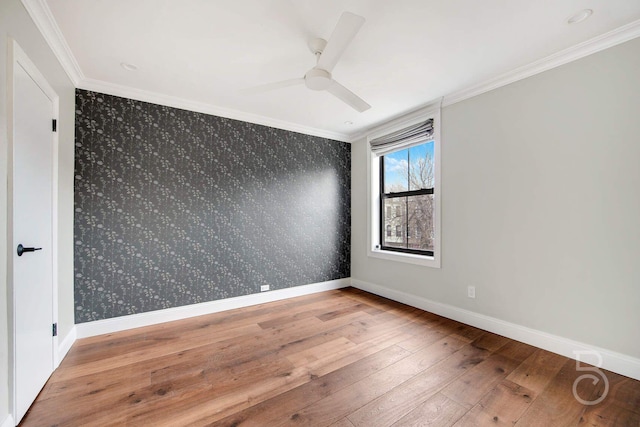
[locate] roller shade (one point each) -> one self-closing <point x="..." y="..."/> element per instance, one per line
<point x="403" y="138"/>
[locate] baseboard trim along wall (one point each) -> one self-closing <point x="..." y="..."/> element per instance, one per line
<point x="99" y="327"/>
<point x="612" y="361"/>
<point x="8" y="422"/>
<point x="65" y="345"/>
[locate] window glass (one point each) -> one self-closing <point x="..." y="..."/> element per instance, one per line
<point x="421" y="167"/>
<point x="396" y="176"/>
<point x="420" y="219"/>
<point x="407" y="200"/>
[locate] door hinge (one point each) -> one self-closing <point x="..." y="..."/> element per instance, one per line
<point x="55" y="329"/>
<point x="54" y="125"/>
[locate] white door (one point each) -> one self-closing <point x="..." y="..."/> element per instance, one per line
<point x="33" y="112"/>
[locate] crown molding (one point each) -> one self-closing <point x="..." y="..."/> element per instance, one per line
<point x="203" y="107"/>
<point x="594" y="45"/>
<point x="43" y="18"/>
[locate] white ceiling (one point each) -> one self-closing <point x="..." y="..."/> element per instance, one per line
<point x="203" y="53"/>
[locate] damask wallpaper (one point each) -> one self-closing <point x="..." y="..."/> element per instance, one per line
<point x="174" y="207"/>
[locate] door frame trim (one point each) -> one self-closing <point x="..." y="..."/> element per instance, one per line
<point x="18" y="58"/>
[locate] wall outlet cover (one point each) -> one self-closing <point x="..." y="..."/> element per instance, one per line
<point x="471" y="291"/>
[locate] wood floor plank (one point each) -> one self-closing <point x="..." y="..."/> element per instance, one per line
<point x="341" y="311"/>
<point x="421" y="339"/>
<point x="502" y="406"/>
<point x="384" y="304"/>
<point x="620" y="406"/>
<point x="111" y="360"/>
<point x="342" y="358"/>
<point x="405" y="397"/>
<point x="471" y="386"/>
<point x="275" y="411"/>
<point x="556" y="404"/>
<point x="283" y="340"/>
<point x="313" y="354"/>
<point x="349" y="399"/>
<point x="466" y="332"/>
<point x="437" y="411"/>
<point x="347" y="356"/>
<point x="609" y="415"/>
<point x="374" y="326"/>
<point x="344" y="422"/>
<point x="516" y="350"/>
<point x="208" y="405"/>
<point x="122" y="377"/>
<point x="623" y="392"/>
<point x="491" y="342"/>
<point x="188" y="384"/>
<point x="317" y="309"/>
<point x="537" y="370"/>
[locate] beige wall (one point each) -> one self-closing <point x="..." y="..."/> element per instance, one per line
<point x="540" y="204"/>
<point x="16" y="23"/>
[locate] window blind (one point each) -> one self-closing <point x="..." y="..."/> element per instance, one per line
<point x="403" y="138"/>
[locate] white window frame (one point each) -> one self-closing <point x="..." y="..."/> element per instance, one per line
<point x="373" y="190"/>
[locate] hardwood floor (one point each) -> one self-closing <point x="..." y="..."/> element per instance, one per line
<point x="341" y="358"/>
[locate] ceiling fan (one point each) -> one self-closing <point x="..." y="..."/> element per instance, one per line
<point x="327" y="56"/>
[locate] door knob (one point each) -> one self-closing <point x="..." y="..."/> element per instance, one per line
<point x="22" y="249"/>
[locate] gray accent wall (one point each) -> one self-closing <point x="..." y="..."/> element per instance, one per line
<point x="540" y="204"/>
<point x="174" y="207"/>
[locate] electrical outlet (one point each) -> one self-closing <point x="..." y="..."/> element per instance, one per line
<point x="264" y="288"/>
<point x="471" y="291"/>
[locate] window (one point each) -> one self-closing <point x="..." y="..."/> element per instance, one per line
<point x="404" y="184"/>
<point x="406" y="187"/>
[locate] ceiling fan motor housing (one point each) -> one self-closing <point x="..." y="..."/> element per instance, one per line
<point x="317" y="79"/>
<point x="317" y="45"/>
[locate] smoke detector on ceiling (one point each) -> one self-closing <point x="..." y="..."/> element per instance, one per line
<point x="580" y="16"/>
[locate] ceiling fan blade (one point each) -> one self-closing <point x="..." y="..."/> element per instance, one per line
<point x="348" y="97"/>
<point x="348" y="26"/>
<point x="272" y="86"/>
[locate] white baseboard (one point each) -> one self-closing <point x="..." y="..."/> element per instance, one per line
<point x="66" y="344"/>
<point x="612" y="361"/>
<point x="116" y="324"/>
<point x="8" y="422"/>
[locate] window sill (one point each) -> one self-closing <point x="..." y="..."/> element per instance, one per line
<point x="427" y="261"/>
